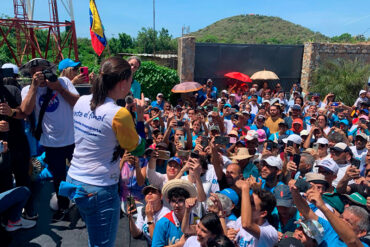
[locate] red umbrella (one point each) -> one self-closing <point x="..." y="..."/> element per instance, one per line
<point x="186" y="87"/>
<point x="238" y="76"/>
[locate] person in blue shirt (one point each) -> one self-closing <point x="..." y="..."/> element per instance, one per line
<point x="344" y="230"/>
<point x="283" y="130"/>
<point x="159" y="102"/>
<point x="260" y="124"/>
<point x="213" y="88"/>
<point x="167" y="231"/>
<point x="135" y="64"/>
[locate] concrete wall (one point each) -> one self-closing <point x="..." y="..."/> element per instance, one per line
<point x="186" y="58"/>
<point x="315" y="54"/>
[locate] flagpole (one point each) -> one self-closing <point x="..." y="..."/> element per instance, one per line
<point x="155" y="36"/>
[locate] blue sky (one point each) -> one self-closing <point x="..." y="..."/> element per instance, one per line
<point x="330" y="17"/>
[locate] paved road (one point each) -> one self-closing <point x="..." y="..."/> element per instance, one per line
<point x="47" y="234"/>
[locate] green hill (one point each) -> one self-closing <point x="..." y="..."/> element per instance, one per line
<point x="257" y="29"/>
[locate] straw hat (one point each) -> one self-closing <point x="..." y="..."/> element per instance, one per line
<point x="179" y="183"/>
<point x="242" y="154"/>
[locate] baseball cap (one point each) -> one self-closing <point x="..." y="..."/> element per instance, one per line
<point x="246" y="112"/>
<point x="251" y="135"/>
<point x="294" y="138"/>
<point x="230" y="193"/>
<point x="296" y="107"/>
<point x="66" y="63"/>
<point x="227" y="105"/>
<point x="261" y="135"/>
<point x="329" y="164"/>
<point x="357" y="198"/>
<point x="265" y="101"/>
<point x="146" y="99"/>
<point x="175" y="159"/>
<point x="322" y="140"/>
<point x="224" y="91"/>
<point x="290" y="242"/>
<point x="283" y="196"/>
<point x="283" y="123"/>
<point x="233" y="132"/>
<point x="304" y="133"/>
<point x="316" y="95"/>
<point x="160" y="94"/>
<point x="261" y="117"/>
<point x="316" y="178"/>
<point x="11" y="66"/>
<point x="313" y="229"/>
<point x="361" y="92"/>
<point x="274" y="161"/>
<point x="363" y="135"/>
<point x="232" y="95"/>
<point x="341" y="147"/>
<point x="146" y="189"/>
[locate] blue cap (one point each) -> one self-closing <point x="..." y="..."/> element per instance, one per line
<point x="283" y="196"/>
<point x="231" y="194"/>
<point x="66" y="63"/>
<point x="177" y="160"/>
<point x="227" y="105"/>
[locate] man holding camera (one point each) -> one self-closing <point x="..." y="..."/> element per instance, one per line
<point x="55" y="120"/>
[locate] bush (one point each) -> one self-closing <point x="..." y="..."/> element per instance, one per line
<point x="156" y="79"/>
<point x="344" y="78"/>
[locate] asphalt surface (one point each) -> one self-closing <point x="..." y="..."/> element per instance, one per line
<point x="71" y="232"/>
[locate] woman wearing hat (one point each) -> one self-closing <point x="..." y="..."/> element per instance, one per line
<point x="101" y="128"/>
<point x="69" y="68"/>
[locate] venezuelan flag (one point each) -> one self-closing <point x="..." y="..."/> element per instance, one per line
<point x="98" y="40"/>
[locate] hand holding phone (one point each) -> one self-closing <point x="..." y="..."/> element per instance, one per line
<point x="85" y="72"/>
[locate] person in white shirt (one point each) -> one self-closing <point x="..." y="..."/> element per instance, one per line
<point x="255" y="230"/>
<point x="360" y="151"/>
<point x="56" y="125"/>
<point x="149" y="215"/>
<point x="342" y="155"/>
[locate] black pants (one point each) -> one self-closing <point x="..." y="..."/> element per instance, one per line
<point x="56" y="160"/>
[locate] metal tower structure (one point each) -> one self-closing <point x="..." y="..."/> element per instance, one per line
<point x="27" y="33"/>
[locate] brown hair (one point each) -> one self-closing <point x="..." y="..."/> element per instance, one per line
<point x="112" y="70"/>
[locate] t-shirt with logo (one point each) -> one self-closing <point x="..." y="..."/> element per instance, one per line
<point x="142" y="221"/>
<point x="97" y="135"/>
<point x="167" y="231"/>
<point x="268" y="236"/>
<point x="57" y="124"/>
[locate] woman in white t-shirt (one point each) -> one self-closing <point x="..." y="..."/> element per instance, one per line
<point x="208" y="227"/>
<point x="101" y="129"/>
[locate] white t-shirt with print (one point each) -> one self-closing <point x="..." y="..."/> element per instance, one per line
<point x="142" y="221"/>
<point x="268" y="236"/>
<point x="57" y="124"/>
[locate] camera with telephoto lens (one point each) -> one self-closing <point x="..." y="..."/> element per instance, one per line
<point x="49" y="75"/>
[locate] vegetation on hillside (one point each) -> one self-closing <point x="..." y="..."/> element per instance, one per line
<point x="258" y="29"/>
<point x="344" y="78"/>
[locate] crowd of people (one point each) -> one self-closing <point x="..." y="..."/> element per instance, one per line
<point x="249" y="165"/>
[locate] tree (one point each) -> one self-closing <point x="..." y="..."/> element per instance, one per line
<point x="146" y="39"/>
<point x="344" y="78"/>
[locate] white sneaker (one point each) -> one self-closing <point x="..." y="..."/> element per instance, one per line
<point x="22" y="223"/>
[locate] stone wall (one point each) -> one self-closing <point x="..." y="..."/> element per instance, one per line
<point x="315" y="54"/>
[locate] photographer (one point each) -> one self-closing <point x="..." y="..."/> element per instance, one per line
<point x="55" y="119"/>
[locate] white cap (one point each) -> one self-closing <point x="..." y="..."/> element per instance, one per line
<point x="363" y="135"/>
<point x="218" y="100"/>
<point x="362" y="91"/>
<point x="304" y="133"/>
<point x="11" y="66"/>
<point x="329" y="164"/>
<point x="146" y="99"/>
<point x="159" y="94"/>
<point x="251" y="135"/>
<point x="294" y="138"/>
<point x="224" y="91"/>
<point x="322" y="140"/>
<point x="265" y="101"/>
<point x="232" y="95"/>
<point x="274" y="161"/>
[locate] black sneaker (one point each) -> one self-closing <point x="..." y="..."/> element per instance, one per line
<point x="59" y="215"/>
